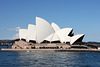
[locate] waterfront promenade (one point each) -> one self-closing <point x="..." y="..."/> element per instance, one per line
<point x="60" y="50"/>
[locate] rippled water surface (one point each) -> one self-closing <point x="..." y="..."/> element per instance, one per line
<point x="49" y="59"/>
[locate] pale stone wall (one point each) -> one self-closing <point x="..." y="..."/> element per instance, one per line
<point x="19" y="44"/>
<point x="27" y="47"/>
<point x="24" y="45"/>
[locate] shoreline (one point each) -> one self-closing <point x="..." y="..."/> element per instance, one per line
<point x="57" y="50"/>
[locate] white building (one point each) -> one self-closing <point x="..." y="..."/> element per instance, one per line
<point x="43" y="31"/>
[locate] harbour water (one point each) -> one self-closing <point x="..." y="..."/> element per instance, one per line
<point x="48" y="59"/>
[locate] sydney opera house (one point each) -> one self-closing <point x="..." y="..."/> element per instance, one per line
<point x="44" y="33"/>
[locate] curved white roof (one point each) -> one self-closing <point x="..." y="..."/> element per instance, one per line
<point x="55" y="37"/>
<point x="44" y="29"/>
<point x="76" y="37"/>
<point x="67" y="39"/>
<point x="31" y="32"/>
<point x="65" y="31"/>
<point x="49" y="38"/>
<point x="23" y="33"/>
<point x="63" y="34"/>
<point x="55" y="27"/>
<point x="52" y="37"/>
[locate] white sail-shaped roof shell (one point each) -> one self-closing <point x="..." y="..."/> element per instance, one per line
<point x="76" y="37"/>
<point x="55" y="27"/>
<point x="55" y="38"/>
<point x="67" y="39"/>
<point x="52" y="37"/>
<point x="23" y="33"/>
<point x="31" y="33"/>
<point x="44" y="29"/>
<point x="63" y="34"/>
<point x="49" y="38"/>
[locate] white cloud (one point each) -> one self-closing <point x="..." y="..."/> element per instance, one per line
<point x="16" y="36"/>
<point x="14" y="29"/>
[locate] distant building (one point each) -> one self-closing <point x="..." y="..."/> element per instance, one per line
<point x="6" y="42"/>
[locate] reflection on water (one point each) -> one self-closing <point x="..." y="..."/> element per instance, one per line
<point x="49" y="59"/>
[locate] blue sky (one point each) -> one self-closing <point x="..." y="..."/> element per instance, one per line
<point x="81" y="15"/>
